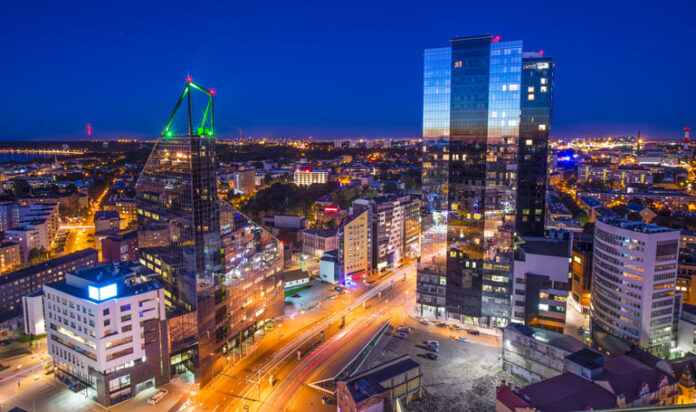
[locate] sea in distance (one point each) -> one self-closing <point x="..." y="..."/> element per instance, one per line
<point x="23" y="157"/>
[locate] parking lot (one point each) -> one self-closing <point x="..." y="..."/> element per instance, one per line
<point x="464" y="375"/>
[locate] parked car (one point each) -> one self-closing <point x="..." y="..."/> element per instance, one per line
<point x="473" y="332"/>
<point x="157" y="397"/>
<point x="461" y="339"/>
<point x="404" y="329"/>
<point x="431" y="356"/>
<point x="434" y="345"/>
<point x="441" y="325"/>
<point x="401" y="335"/>
<point x="338" y="288"/>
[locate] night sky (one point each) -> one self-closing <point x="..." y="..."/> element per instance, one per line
<point x="299" y="69"/>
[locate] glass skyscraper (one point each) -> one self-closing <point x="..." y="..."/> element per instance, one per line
<point x="472" y="112"/>
<point x="221" y="272"/>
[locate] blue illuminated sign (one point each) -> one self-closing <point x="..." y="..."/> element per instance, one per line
<point x="102" y="293"/>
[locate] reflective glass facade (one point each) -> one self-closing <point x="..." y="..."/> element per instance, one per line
<point x="535" y="126"/>
<point x="470" y="175"/>
<point x="221" y="272"/>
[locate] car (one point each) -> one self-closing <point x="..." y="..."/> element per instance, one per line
<point x="461" y="339"/>
<point x="338" y="288"/>
<point x="433" y="343"/>
<point x="431" y="356"/>
<point x="473" y="332"/>
<point x="404" y="329"/>
<point x="332" y="297"/>
<point x="424" y="321"/>
<point x="157" y="397"/>
<point x="401" y="335"/>
<point x="296" y="295"/>
<point x="441" y="325"/>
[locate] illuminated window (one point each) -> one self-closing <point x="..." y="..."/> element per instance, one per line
<point x="529" y="142"/>
<point x="505" y="87"/>
<point x="458" y="64"/>
<point x="544" y="80"/>
<point x="542" y="126"/>
<point x="530" y="97"/>
<point x="530" y="89"/>
<point x="514" y="87"/>
<point x="543" y="89"/>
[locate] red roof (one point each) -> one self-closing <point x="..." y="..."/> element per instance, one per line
<point x="510" y="399"/>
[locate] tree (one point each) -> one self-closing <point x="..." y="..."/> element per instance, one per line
<point x="37" y="256"/>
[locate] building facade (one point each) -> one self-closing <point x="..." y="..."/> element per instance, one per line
<point x="473" y="120"/>
<point x="107" y="334"/>
<point x="221" y="273"/>
<point x="308" y="177"/>
<point x="10" y="256"/>
<point x="244" y="181"/>
<point x="634" y="282"/>
<point x="317" y="241"/>
<point x="541" y="283"/>
<point x="355" y="246"/>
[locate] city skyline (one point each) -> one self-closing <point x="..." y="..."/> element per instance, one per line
<point x="341" y="75"/>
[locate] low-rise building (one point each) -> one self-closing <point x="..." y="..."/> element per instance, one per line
<point x="328" y="268"/>
<point x="381" y="387"/>
<point x="294" y="279"/>
<point x="33" y="313"/>
<point x="534" y="354"/>
<point x="308" y="177"/>
<point x="120" y="247"/>
<point x="105" y="220"/>
<point x="10" y="256"/>
<point x="592" y="381"/>
<point x="107" y="333"/>
<point x="541" y="285"/>
<point x="317" y="241"/>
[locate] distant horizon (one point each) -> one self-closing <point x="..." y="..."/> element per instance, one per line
<point x="330" y="71"/>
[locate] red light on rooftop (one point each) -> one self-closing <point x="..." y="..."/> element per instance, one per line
<point x="687" y="128"/>
<point x="188" y="79"/>
<point x="541" y="52"/>
<point x="330" y="209"/>
<point x="212" y="91"/>
<point x="495" y="39"/>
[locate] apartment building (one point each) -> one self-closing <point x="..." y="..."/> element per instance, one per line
<point x="634" y="283"/>
<point x="355" y="246"/>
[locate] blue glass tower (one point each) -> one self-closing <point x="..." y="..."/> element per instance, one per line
<point x="471" y="135"/>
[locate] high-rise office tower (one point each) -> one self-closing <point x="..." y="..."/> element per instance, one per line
<point x="535" y="124"/>
<point x="472" y="124"/>
<point x="220" y="271"/>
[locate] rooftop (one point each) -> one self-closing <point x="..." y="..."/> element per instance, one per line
<point x="106" y="215"/>
<point x="635" y="226"/>
<point x="368" y="383"/>
<point x="49" y="264"/>
<point x="546" y="247"/>
<point x="567" y="392"/>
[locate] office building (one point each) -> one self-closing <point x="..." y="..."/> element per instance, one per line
<point x="107" y="332"/>
<point x="221" y="272"/>
<point x="536" y="101"/>
<point x="355" y="246"/>
<point x="473" y="123"/>
<point x="541" y="283"/>
<point x="633" y="284"/>
<point x="244" y="181"/>
<point x="308" y="177"/>
<point x="389" y="229"/>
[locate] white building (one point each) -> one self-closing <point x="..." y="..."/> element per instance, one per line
<point x="634" y="277"/>
<point x="107" y="333"/>
<point x="541" y="283"/>
<point x="36" y="230"/>
<point x="306" y="177"/>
